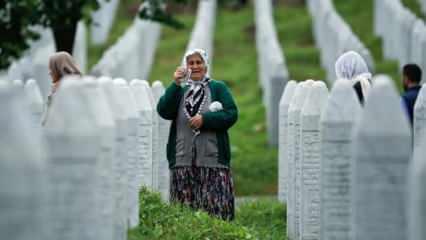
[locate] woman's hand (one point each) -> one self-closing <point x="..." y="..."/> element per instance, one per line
<point x="179" y="75"/>
<point x="196" y="121"/>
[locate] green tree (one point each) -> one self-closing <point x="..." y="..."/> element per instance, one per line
<point x="17" y="17"/>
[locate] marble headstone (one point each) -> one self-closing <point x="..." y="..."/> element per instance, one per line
<point x="164" y="128"/>
<point x="145" y="134"/>
<point x="417" y="194"/>
<point x="381" y="151"/>
<point x="35" y="100"/>
<point x="120" y="158"/>
<point x="419" y="117"/>
<point x="73" y="140"/>
<point x="102" y="113"/>
<point x="336" y="126"/>
<point x="23" y="182"/>
<point x="294" y="132"/>
<point x="128" y="103"/>
<point x="310" y="161"/>
<point x="283" y="145"/>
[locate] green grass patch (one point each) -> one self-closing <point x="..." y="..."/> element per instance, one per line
<point x="294" y="27"/>
<point x="158" y="220"/>
<point x="267" y="217"/>
<point x="360" y="18"/>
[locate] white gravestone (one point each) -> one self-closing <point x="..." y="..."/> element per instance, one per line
<point x="101" y="112"/>
<point x="120" y="158"/>
<point x="79" y="52"/>
<point x="23" y="172"/>
<point x="336" y="125"/>
<point x="73" y="139"/>
<point x="163" y="130"/>
<point x="294" y="116"/>
<point x="282" y="150"/>
<point x="145" y="133"/>
<point x="310" y="161"/>
<point x="381" y="151"/>
<point x="128" y="103"/>
<point x="103" y="18"/>
<point x="35" y="100"/>
<point x="155" y="136"/>
<point x="419" y="117"/>
<point x="417" y="194"/>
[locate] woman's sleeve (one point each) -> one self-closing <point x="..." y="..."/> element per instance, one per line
<point x="224" y="119"/>
<point x="168" y="104"/>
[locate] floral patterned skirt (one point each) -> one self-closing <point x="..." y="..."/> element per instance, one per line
<point x="205" y="188"/>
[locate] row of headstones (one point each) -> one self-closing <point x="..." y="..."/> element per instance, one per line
<point x="133" y="54"/>
<point x="102" y="20"/>
<point x="34" y="63"/>
<point x="345" y="171"/>
<point x="333" y="36"/>
<point x="79" y="176"/>
<point x="273" y="72"/>
<point x="403" y="33"/>
<point x="203" y="31"/>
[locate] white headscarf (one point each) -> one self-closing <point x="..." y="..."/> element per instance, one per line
<point x="352" y="66"/>
<point x="203" y="55"/>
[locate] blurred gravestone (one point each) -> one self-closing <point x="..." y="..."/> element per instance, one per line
<point x="283" y="145"/>
<point x="417" y="194"/>
<point x="145" y="133"/>
<point x="120" y="158"/>
<point x="163" y="130"/>
<point x="128" y="103"/>
<point x="381" y="151"/>
<point x="103" y="18"/>
<point x="73" y="140"/>
<point x="23" y="184"/>
<point x="35" y="100"/>
<point x="337" y="122"/>
<point x="101" y="112"/>
<point x="419" y="128"/>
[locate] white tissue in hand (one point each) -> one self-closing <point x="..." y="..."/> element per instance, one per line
<point x="215" y="106"/>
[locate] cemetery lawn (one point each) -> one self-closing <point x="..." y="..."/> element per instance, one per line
<point x="255" y="220"/>
<point x="294" y="28"/>
<point x="360" y="18"/>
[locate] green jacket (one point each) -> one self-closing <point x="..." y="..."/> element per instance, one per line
<point x="218" y="122"/>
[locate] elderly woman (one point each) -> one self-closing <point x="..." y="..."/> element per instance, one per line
<point x="61" y="64"/>
<point x="202" y="110"/>
<point x="351" y="66"/>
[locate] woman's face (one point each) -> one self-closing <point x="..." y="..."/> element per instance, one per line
<point x="197" y="66"/>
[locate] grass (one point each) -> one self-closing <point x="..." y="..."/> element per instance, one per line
<point x="294" y="29"/>
<point x="360" y="18"/>
<point x="255" y="220"/>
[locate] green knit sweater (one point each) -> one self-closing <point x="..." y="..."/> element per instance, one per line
<point x="218" y="122"/>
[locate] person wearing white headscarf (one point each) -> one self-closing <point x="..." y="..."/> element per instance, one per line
<point x="201" y="110"/>
<point x="61" y="64"/>
<point x="352" y="66"/>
